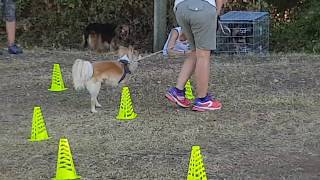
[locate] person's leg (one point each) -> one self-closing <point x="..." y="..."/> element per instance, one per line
<point x="177" y="94"/>
<point x="11" y="32"/>
<point x="202" y="71"/>
<point x="189" y="64"/>
<point x="204" y="101"/>
<point x="186" y="70"/>
<point x="204" y="33"/>
<point x="1" y="15"/>
<point x="10" y="18"/>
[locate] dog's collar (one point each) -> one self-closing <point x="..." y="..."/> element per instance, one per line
<point x="124" y="58"/>
<point x="126" y="70"/>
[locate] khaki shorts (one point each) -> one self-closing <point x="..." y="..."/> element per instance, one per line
<point x="198" y="20"/>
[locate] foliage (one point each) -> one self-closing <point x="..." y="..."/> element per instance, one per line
<point x="59" y="23"/>
<point x="302" y="34"/>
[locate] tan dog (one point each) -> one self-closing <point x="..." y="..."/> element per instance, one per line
<point x="112" y="72"/>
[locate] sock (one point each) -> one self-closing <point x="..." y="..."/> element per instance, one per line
<point x="204" y="99"/>
<point x="180" y="92"/>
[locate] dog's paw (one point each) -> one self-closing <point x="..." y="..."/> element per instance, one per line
<point x="94" y="111"/>
<point x="98" y="105"/>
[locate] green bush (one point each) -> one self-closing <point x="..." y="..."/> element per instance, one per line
<point x="302" y="34"/>
<point x="60" y="23"/>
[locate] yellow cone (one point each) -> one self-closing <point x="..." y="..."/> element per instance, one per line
<point x="39" y="130"/>
<point x="126" y="108"/>
<point x="65" y="167"/>
<point x="189" y="94"/>
<point x="196" y="166"/>
<point x="57" y="83"/>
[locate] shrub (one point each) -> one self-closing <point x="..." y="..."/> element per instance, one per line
<point x="59" y="23"/>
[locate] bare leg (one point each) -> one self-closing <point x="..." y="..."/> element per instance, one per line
<point x="11" y="31"/>
<point x="202" y="72"/>
<point x="187" y="69"/>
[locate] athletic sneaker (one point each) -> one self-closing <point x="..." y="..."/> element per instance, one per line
<point x="209" y="103"/>
<point x="14" y="49"/>
<point x="178" y="96"/>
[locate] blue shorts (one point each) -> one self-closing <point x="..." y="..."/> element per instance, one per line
<point x="8" y="9"/>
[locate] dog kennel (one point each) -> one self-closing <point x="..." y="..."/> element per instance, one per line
<point x="243" y="32"/>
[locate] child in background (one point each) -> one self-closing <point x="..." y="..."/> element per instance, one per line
<point x="176" y="44"/>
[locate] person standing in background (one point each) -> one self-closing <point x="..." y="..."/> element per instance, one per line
<point x="9" y="15"/>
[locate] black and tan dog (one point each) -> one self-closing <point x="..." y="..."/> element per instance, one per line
<point x="105" y="37"/>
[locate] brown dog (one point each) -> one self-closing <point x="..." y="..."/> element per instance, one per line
<point x="105" y="37"/>
<point x="112" y="72"/>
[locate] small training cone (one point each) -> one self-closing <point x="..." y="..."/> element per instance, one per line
<point x="189" y="94"/>
<point x="39" y="130"/>
<point x="57" y="83"/>
<point x="126" y="110"/>
<point x="196" y="166"/>
<point x="65" y="167"/>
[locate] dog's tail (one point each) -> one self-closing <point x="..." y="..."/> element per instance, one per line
<point x="82" y="72"/>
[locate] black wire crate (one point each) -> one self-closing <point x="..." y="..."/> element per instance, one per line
<point x="243" y="32"/>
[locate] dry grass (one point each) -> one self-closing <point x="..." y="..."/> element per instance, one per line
<point x="268" y="128"/>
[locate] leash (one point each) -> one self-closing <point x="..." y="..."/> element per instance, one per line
<point x="150" y="55"/>
<point x="224" y="29"/>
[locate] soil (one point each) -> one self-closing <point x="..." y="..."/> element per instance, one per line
<point x="268" y="128"/>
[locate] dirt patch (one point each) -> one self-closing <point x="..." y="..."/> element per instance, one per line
<point x="267" y="129"/>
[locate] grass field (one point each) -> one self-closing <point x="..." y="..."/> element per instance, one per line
<point x="268" y="129"/>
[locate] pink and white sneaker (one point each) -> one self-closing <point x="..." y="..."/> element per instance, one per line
<point x="177" y="97"/>
<point x="209" y="104"/>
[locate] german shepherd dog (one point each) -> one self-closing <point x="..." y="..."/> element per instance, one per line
<point x="105" y="37"/>
<point x="112" y="72"/>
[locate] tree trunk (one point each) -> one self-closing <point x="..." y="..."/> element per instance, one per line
<point x="160" y="24"/>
